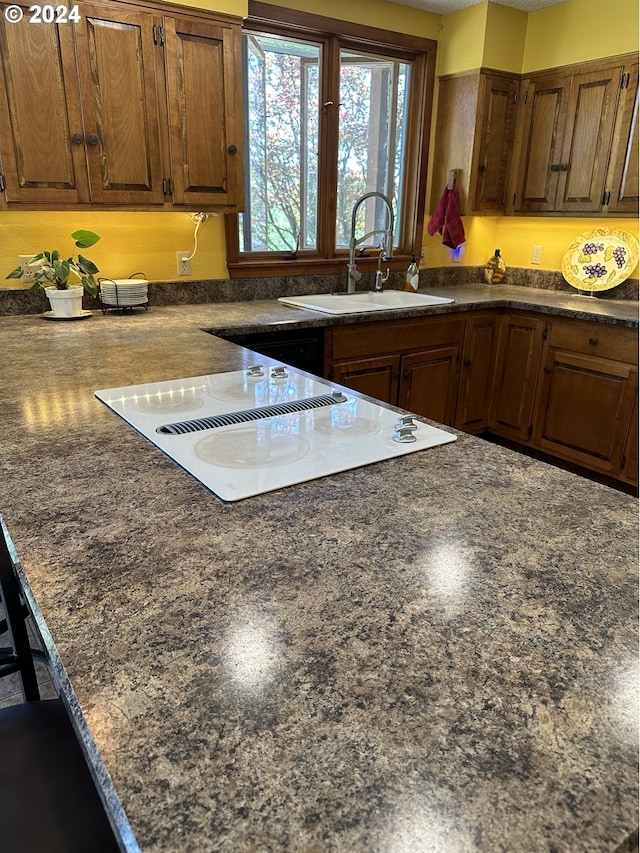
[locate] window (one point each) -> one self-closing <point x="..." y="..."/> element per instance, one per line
<point x="331" y="111"/>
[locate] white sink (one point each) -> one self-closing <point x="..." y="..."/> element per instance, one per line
<point x="357" y="303"/>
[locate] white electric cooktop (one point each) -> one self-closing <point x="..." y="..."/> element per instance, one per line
<point x="264" y="428"/>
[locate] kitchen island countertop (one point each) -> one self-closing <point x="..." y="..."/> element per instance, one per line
<point x="437" y="652"/>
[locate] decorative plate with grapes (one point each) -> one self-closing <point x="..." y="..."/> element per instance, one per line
<point x="600" y="259"/>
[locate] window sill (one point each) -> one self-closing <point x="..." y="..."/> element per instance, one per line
<point x="280" y="267"/>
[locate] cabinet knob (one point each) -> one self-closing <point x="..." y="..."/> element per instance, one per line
<point x="77" y="139"/>
<point x="593" y="341"/>
<point x="93" y="139"/>
<point x="482" y="167"/>
<point x="547" y="370"/>
<point x="232" y="149"/>
<point x="466" y="362"/>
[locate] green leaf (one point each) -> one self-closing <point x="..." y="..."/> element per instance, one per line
<point x="89" y="284"/>
<point x="85" y="239"/>
<point x="87" y="266"/>
<point x="16" y="273"/>
<point x="62" y="269"/>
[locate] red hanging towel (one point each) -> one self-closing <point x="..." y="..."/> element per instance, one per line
<point x="446" y="219"/>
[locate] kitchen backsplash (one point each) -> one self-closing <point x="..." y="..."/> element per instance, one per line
<point x="242" y="290"/>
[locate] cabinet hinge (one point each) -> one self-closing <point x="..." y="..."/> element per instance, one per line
<point x="158" y="35"/>
<point x="515" y="97"/>
<point x="624" y="80"/>
<point x="526" y="96"/>
<point x="544" y="334"/>
<point x="606" y="197"/>
<point x="513" y="201"/>
<point x="530" y="431"/>
<point x="3" y="185"/>
<point x="167" y="186"/>
<point x="623" y="461"/>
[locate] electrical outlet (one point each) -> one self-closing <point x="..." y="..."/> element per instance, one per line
<point x="536" y="254"/>
<point x="184" y="264"/>
<point x="23" y="261"/>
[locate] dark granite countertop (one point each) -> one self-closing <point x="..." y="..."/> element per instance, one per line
<point x="436" y="652"/>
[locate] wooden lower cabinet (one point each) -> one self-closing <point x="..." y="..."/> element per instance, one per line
<point x="517" y="364"/>
<point x="376" y="377"/>
<point x="586" y="395"/>
<point x="629" y="473"/>
<point x="564" y="387"/>
<point x="410" y="363"/>
<point x="428" y="384"/>
<point x="477" y="372"/>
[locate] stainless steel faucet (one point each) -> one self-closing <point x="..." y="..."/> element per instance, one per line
<point x="385" y="245"/>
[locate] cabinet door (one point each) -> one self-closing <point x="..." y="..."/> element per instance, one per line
<point x="519" y="352"/>
<point x="116" y="62"/>
<point x="205" y="112"/>
<point x="586" y="142"/>
<point x="495" y="142"/>
<point x="623" y="194"/>
<point x="376" y="377"/>
<point x="429" y="383"/>
<point x="41" y="131"/>
<point x="585" y="409"/>
<point x="544" y="112"/>
<point x="476" y="373"/>
<point x="629" y="471"/>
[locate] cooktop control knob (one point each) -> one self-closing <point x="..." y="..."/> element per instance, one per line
<point x="405" y="435"/>
<point x="406" y="421"/>
<point x="255" y="370"/>
<point x="279" y="373"/>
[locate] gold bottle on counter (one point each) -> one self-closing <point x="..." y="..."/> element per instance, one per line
<point x="494" y="270"/>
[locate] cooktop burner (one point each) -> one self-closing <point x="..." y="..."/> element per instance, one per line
<point x="261" y="429"/>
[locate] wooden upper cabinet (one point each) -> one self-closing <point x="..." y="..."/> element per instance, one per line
<point x="564" y="136"/>
<point x="205" y="112"/>
<point x="587" y="140"/>
<point x="116" y="64"/>
<point x="543" y="114"/>
<point x="495" y="142"/>
<point x="474" y="135"/>
<point x="41" y="132"/>
<point x="142" y="107"/>
<point x="622" y="192"/>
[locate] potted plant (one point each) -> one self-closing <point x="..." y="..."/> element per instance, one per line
<point x="52" y="273"/>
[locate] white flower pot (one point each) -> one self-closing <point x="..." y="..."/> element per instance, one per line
<point x="65" y="303"/>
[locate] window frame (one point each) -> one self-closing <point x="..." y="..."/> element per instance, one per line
<point x="335" y="36"/>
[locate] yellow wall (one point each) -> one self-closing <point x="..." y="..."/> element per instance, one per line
<point x="131" y="242"/>
<point x="515" y="237"/>
<point x="487" y="34"/>
<point x="461" y="40"/>
<point x="372" y="13"/>
<point x="579" y="30"/>
<point x="238" y="8"/>
<point x="505" y="38"/>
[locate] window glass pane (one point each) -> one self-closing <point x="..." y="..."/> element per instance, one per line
<point x="373" y="92"/>
<point x="282" y="120"/>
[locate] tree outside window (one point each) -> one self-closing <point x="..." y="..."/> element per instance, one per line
<point x="328" y="118"/>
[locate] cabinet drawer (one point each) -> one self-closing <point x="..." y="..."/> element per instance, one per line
<point x="395" y="336"/>
<point x="596" y="339"/>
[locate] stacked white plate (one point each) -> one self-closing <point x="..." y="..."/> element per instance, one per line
<point x="124" y="292"/>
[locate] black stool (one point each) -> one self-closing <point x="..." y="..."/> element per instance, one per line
<point x="48" y="798"/>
